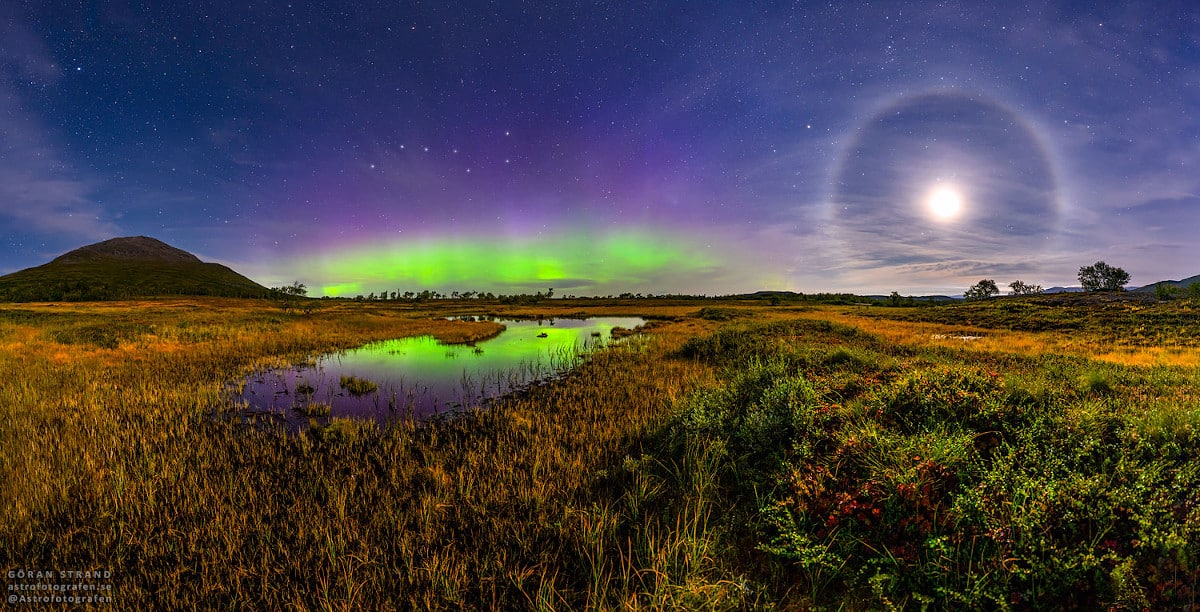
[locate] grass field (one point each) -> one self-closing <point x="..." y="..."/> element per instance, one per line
<point x="731" y="456"/>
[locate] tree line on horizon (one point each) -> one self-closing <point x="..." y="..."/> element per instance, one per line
<point x="291" y="296"/>
<point x="1097" y="277"/>
<point x="299" y="290"/>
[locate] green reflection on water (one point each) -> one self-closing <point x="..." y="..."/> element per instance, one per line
<point x="425" y="358"/>
<point x="421" y="376"/>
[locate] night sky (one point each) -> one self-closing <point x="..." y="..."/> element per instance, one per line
<point x="599" y="148"/>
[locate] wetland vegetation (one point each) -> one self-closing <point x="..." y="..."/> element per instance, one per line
<point x="423" y="377"/>
<point x="728" y="455"/>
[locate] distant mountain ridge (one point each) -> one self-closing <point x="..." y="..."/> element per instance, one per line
<point x="1182" y="284"/>
<point x="841" y="298"/>
<point x="122" y="268"/>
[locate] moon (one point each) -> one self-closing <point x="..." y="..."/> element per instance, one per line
<point x="945" y="203"/>
<point x="886" y="187"/>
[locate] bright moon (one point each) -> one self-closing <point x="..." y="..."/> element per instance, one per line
<point x="945" y="203"/>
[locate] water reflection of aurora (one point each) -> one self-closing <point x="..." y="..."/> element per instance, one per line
<point x="419" y="377"/>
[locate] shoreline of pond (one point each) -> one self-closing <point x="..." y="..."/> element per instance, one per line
<point x="422" y="377"/>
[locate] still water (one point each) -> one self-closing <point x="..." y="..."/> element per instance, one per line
<point x="421" y="377"/>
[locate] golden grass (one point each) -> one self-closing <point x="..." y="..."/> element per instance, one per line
<point x="111" y="458"/>
<point x="1004" y="341"/>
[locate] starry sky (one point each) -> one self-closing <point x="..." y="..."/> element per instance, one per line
<point x="605" y="147"/>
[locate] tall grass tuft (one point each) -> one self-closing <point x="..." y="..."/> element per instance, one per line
<point x="357" y="386"/>
<point x="1097" y="382"/>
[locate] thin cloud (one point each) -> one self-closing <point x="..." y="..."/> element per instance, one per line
<point x="38" y="189"/>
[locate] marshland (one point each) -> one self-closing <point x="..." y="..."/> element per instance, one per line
<point x="727" y="455"/>
<point x="421" y="377"/>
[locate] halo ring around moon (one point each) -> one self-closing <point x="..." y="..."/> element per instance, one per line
<point x="984" y="151"/>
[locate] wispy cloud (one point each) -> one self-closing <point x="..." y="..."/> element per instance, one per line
<point x="948" y="140"/>
<point x="39" y="189"/>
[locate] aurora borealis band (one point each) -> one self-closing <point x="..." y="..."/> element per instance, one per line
<point x="626" y="258"/>
<point x="609" y="147"/>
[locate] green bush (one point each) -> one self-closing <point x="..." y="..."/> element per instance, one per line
<point x="757" y="416"/>
<point x="1097" y="382"/>
<point x="1003" y="483"/>
<point x="719" y="313"/>
<point x="921" y="399"/>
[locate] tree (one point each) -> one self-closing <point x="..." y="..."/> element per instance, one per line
<point x="1103" y="277"/>
<point x="296" y="289"/>
<point x="289" y="295"/>
<point x="982" y="290"/>
<point x="1020" y="288"/>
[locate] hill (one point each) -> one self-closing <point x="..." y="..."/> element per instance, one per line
<point x="1182" y="284"/>
<point x="122" y="268"/>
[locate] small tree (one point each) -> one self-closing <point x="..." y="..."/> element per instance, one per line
<point x="290" y="295"/>
<point x="296" y="289"/>
<point x="1103" y="277"/>
<point x="982" y="290"/>
<point x="1020" y="288"/>
<point x="1165" y="291"/>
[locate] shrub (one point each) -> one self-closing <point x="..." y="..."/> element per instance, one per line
<point x="1097" y="383"/>
<point x="717" y="313"/>
<point x="758" y="415"/>
<point x="925" y="398"/>
<point x="1165" y="291"/>
<point x="850" y="357"/>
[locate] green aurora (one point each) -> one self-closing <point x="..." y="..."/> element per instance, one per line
<point x="584" y="262"/>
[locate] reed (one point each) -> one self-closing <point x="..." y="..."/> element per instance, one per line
<point x="112" y="456"/>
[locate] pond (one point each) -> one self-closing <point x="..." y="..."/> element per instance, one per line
<point x="416" y="378"/>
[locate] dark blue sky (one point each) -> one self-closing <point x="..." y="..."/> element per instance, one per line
<point x="705" y="147"/>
